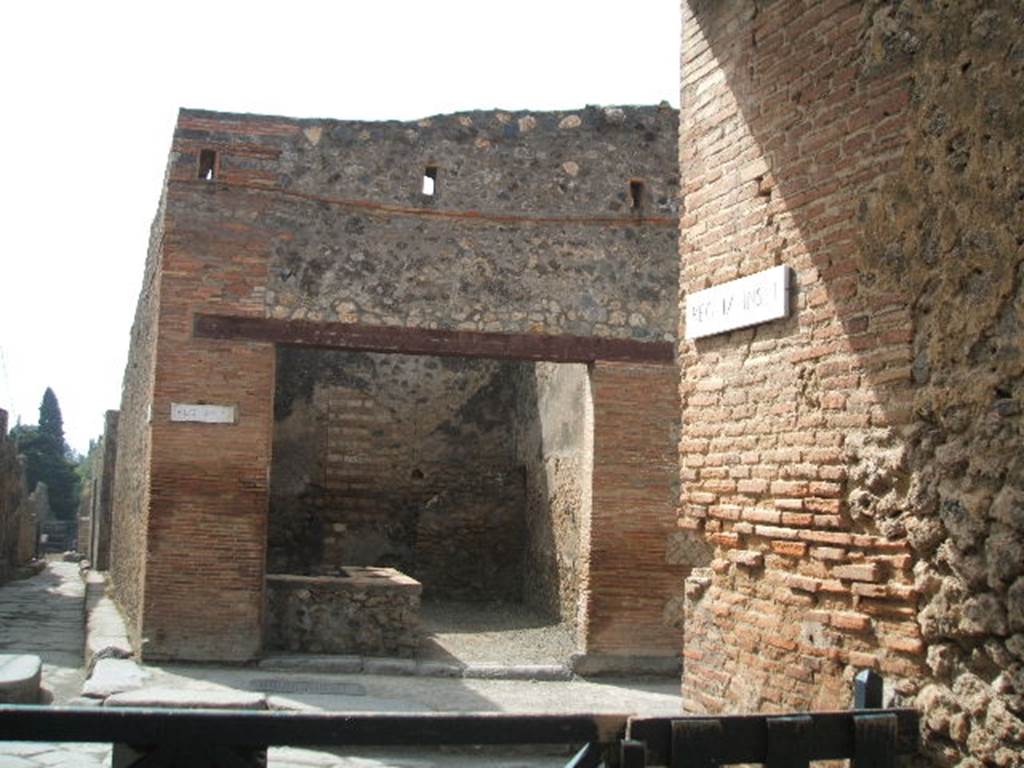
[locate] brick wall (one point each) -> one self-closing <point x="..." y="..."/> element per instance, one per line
<point x="634" y="587"/>
<point x="853" y="469"/>
<point x="131" y="486"/>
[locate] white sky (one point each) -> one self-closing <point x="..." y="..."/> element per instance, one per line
<point x="89" y="92"/>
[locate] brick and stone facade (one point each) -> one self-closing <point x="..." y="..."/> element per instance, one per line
<point x="282" y="245"/>
<point x="852" y="475"/>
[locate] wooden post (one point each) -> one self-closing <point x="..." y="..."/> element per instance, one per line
<point x="788" y="741"/>
<point x="867" y="690"/>
<point x="874" y="741"/>
<point x="696" y="743"/>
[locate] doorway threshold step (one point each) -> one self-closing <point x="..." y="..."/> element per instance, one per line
<point x="385" y="665"/>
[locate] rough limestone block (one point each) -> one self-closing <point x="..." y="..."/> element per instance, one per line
<point x="20" y="676"/>
<point x="111" y="676"/>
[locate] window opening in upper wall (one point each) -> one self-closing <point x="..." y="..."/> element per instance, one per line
<point x="207" y="164"/>
<point x="430" y="180"/>
<point x="636" y="194"/>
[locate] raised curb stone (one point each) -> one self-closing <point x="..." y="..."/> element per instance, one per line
<point x="20" y="676"/>
<point x="439" y="669"/>
<point x="491" y="671"/>
<point x="106" y="635"/>
<point x="176" y="698"/>
<point x="389" y="666"/>
<point x="327" y="664"/>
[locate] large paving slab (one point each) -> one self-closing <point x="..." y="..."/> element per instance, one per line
<point x="111" y="676"/>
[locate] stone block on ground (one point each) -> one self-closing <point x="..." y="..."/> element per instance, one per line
<point x="20" y="676"/>
<point x="177" y="698"/>
<point x="389" y="666"/>
<point x="110" y="676"/>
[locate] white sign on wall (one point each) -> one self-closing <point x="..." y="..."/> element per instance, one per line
<point x="750" y="300"/>
<point x="204" y="414"/>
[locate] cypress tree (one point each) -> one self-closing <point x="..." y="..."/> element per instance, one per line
<point x="48" y="458"/>
<point x="51" y="422"/>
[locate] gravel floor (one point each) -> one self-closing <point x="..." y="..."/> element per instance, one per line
<point x="508" y="633"/>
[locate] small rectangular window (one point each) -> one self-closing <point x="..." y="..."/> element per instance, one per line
<point x="430" y="180"/>
<point x="636" y="194"/>
<point x="207" y="164"/>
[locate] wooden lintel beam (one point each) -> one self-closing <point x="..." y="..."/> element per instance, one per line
<point x="430" y="341"/>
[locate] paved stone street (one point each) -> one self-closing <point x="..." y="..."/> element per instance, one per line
<point x="45" y="615"/>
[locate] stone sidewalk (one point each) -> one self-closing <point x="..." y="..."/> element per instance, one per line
<point x="45" y="615"/>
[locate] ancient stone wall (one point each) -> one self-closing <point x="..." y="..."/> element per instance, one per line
<point x="104" y="474"/>
<point x="12" y="499"/>
<point x="538" y="224"/>
<point x="85" y="504"/>
<point x="852" y="475"/>
<point x="516" y="202"/>
<point x="397" y="460"/>
<point x="554" y="444"/>
<point x="130" y="508"/>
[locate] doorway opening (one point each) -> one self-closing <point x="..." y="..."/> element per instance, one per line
<point x="470" y="477"/>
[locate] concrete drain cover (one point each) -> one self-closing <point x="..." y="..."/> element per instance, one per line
<point x="315" y="687"/>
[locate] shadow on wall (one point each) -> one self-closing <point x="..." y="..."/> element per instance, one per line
<point x="858" y="466"/>
<point x="551" y="439"/>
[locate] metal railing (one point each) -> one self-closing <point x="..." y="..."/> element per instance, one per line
<point x="196" y="738"/>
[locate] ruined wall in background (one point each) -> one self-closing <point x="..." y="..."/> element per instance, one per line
<point x="12" y="499"/>
<point x="130" y="507"/>
<point x="401" y="461"/>
<point x="85" y="503"/>
<point x="554" y="444"/>
<point x="855" y="470"/>
<point x="104" y="474"/>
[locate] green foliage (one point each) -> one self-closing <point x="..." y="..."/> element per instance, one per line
<point x="47" y="458"/>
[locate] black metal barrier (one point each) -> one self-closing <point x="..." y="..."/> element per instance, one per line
<point x="143" y="738"/>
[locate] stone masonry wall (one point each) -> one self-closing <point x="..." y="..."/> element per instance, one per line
<point x="517" y="200"/>
<point x="852" y="475"/>
<point x="533" y="228"/>
<point x="554" y="444"/>
<point x="12" y="499"/>
<point x="397" y="460"/>
<point x="104" y="472"/>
